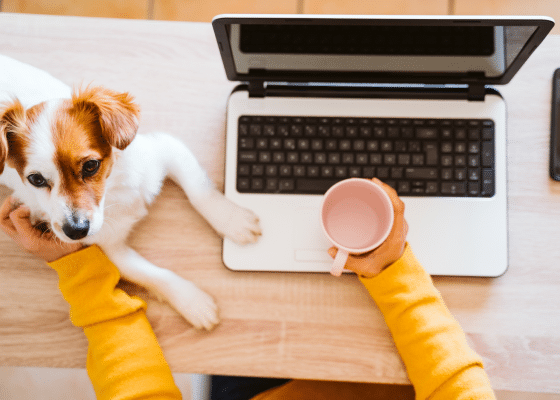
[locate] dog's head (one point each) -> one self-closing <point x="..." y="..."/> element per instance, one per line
<point x="64" y="150"/>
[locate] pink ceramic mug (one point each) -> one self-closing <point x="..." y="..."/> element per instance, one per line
<point x="357" y="216"/>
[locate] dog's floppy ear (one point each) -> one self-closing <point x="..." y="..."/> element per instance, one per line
<point x="117" y="113"/>
<point x="12" y="117"/>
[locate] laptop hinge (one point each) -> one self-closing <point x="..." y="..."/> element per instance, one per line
<point x="256" y="88"/>
<point x="476" y="92"/>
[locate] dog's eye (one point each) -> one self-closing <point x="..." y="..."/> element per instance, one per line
<point x="37" y="180"/>
<point x="90" y="168"/>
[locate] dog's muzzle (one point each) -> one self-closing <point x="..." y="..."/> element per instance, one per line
<point x="76" y="227"/>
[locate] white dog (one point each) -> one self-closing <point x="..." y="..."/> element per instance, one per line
<point x="75" y="160"/>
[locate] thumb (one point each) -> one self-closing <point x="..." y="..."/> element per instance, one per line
<point x="20" y="219"/>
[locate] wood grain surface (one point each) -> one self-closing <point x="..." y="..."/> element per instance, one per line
<point x="295" y="325"/>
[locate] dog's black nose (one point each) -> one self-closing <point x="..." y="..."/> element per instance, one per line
<point x="76" y="228"/>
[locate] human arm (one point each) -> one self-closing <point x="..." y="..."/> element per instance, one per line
<point x="124" y="359"/>
<point x="432" y="345"/>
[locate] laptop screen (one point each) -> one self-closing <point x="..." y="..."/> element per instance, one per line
<point x="377" y="50"/>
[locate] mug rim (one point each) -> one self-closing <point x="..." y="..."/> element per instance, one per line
<point x="386" y="198"/>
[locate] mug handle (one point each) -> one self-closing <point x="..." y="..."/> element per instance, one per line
<point x="339" y="262"/>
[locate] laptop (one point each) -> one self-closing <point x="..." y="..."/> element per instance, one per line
<point x="406" y="99"/>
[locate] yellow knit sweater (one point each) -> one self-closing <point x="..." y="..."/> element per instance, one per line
<point x="432" y="345"/>
<point x="124" y="358"/>
<point x="126" y="362"/>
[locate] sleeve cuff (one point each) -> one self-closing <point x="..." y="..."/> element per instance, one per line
<point x="87" y="280"/>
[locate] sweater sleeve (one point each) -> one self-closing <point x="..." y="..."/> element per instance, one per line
<point x="432" y="345"/>
<point x="439" y="362"/>
<point x="124" y="358"/>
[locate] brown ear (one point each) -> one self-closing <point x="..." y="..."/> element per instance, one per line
<point x="12" y="118"/>
<point x="117" y="113"/>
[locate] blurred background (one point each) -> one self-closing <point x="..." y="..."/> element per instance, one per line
<point x="204" y="11"/>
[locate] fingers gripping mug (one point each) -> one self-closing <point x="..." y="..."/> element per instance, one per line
<point x="357" y="216"/>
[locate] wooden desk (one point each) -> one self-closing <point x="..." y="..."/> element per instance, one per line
<point x="279" y="324"/>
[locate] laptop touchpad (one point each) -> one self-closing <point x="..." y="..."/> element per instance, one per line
<point x="310" y="243"/>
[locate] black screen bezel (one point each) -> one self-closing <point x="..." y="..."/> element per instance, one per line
<point x="220" y="23"/>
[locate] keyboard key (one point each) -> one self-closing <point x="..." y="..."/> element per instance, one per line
<point x="382" y="172"/>
<point x="397" y="172"/>
<point x="431" y="187"/>
<point x="257" y="170"/>
<point x="362" y="158"/>
<point x="431" y="150"/>
<point x="403" y="159"/>
<point x="488" y="134"/>
<point x="272" y="185"/>
<point x="317" y="144"/>
<point x="265" y="157"/>
<point x="289" y="144"/>
<point x="303" y="144"/>
<point x="474" y="148"/>
<point x="299" y="171"/>
<point x="246" y="143"/>
<point x="473" y="189"/>
<point x="257" y="184"/>
<point x="426" y="133"/>
<point x="354" y="172"/>
<point x="296" y="130"/>
<point x="474" y="174"/>
<point x="474" y="134"/>
<point x="318" y="186"/>
<point x="286" y="185"/>
<point x="368" y="172"/>
<point x="341" y="172"/>
<point x="275" y="144"/>
<point x="421" y="173"/>
<point x="460" y="161"/>
<point x="248" y="156"/>
<point x="418" y="159"/>
<point x="487" y="182"/>
<point x="283" y="130"/>
<point x="403" y="187"/>
<point x="312" y="171"/>
<point x="243" y="184"/>
<point x="310" y="130"/>
<point x="243" y="169"/>
<point x="473" y="160"/>
<point x="453" y="188"/>
<point x="285" y="170"/>
<point x="255" y="130"/>
<point x="446" y="174"/>
<point x="487" y="154"/>
<point x="271" y="170"/>
<point x="324" y="131"/>
<point x="460" y="174"/>
<point x="334" y="158"/>
<point x="327" y="172"/>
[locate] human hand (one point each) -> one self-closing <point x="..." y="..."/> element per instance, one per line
<point x="372" y="263"/>
<point x="14" y="220"/>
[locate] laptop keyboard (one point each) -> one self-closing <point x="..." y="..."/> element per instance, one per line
<point x="417" y="157"/>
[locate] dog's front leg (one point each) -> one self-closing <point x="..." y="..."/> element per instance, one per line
<point x="227" y="218"/>
<point x="192" y="303"/>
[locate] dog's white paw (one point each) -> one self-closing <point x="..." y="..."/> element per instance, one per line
<point x="195" y="305"/>
<point x="243" y="226"/>
<point x="230" y="220"/>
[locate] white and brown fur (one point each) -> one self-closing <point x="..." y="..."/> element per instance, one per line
<point x="48" y="130"/>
